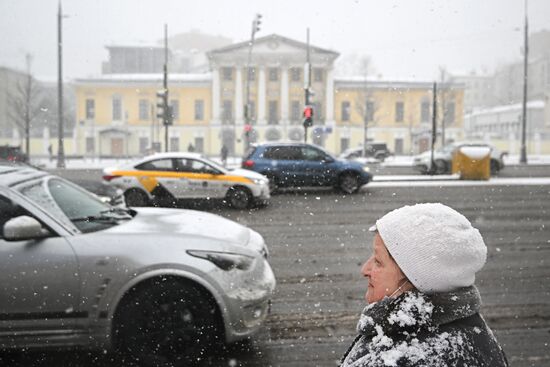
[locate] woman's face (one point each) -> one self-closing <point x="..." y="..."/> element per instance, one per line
<point x="382" y="272"/>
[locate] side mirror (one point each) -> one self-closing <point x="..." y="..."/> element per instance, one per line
<point x="24" y="228"/>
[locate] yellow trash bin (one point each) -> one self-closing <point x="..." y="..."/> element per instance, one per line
<point x="472" y="162"/>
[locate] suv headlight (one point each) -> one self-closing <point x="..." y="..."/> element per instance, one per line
<point x="224" y="260"/>
<point x="366" y="169"/>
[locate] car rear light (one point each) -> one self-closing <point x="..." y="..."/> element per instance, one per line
<point x="248" y="164"/>
<point x="109" y="177"/>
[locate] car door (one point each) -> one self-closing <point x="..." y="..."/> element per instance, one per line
<point x="160" y="174"/>
<point x="286" y="162"/>
<point x="317" y="166"/>
<point x="201" y="178"/>
<point x="40" y="284"/>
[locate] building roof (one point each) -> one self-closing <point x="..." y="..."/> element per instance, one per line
<point x="536" y="104"/>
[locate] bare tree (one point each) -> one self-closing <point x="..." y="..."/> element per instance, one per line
<point x="365" y="104"/>
<point x="24" y="105"/>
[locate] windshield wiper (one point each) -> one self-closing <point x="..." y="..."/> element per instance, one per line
<point x="103" y="216"/>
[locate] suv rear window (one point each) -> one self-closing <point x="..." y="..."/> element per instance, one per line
<point x="283" y="153"/>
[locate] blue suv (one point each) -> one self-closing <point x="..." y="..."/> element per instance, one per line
<point x="297" y="165"/>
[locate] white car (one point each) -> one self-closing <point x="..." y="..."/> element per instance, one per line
<point x="443" y="158"/>
<point x="167" y="177"/>
<point x="155" y="284"/>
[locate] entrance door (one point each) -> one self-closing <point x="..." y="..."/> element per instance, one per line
<point x="117" y="145"/>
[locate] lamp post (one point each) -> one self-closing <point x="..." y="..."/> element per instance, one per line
<point x="60" y="150"/>
<point x="523" y="151"/>
<point x="247" y="118"/>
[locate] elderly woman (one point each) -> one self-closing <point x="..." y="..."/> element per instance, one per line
<point x="423" y="307"/>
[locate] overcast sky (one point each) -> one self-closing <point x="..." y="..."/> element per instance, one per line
<point x="405" y="38"/>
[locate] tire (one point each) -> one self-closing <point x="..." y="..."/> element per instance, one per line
<point x="440" y="167"/>
<point x="348" y="183"/>
<point x="136" y="198"/>
<point x="239" y="198"/>
<point x="495" y="167"/>
<point x="167" y="322"/>
<point x="273" y="184"/>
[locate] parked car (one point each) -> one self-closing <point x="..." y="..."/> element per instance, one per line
<point x="443" y="158"/>
<point x="165" y="177"/>
<point x="298" y="164"/>
<point x="12" y="154"/>
<point x="377" y="151"/>
<point x="159" y="284"/>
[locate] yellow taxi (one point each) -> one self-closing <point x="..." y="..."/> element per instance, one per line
<point x="166" y="177"/>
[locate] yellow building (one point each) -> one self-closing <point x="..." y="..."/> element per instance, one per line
<point x="116" y="113"/>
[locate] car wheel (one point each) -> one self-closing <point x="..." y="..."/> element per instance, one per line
<point x="273" y="185"/>
<point x="167" y="322"/>
<point x="349" y="183"/>
<point x="135" y="198"/>
<point x="440" y="167"/>
<point x="495" y="167"/>
<point x="239" y="197"/>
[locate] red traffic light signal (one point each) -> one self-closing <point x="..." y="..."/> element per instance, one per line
<point x="308" y="116"/>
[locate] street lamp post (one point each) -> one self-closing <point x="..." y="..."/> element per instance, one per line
<point x="523" y="152"/>
<point x="247" y="118"/>
<point x="60" y="150"/>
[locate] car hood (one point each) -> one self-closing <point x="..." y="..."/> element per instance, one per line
<point x="186" y="222"/>
<point x="246" y="173"/>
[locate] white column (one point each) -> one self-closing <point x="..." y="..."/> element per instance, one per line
<point x="216" y="96"/>
<point x="284" y="96"/>
<point x="329" y="90"/>
<point x="261" y="96"/>
<point x="238" y="96"/>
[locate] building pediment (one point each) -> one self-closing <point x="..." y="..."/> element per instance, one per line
<point x="271" y="49"/>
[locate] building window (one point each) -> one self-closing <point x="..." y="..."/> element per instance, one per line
<point x="425" y="112"/>
<point x="398" y="146"/>
<point x="399" y="111"/>
<point x="174" y="144"/>
<point x="369" y="113"/>
<point x="345" y="110"/>
<point x="175" y="106"/>
<point x="117" y="109"/>
<point x="90" y="145"/>
<point x="199" y="110"/>
<point x="317" y="75"/>
<point x="251" y="111"/>
<point x="295" y="74"/>
<point x="227" y="112"/>
<point x="227" y="73"/>
<point x="449" y="114"/>
<point x="251" y="74"/>
<point x="143" y="145"/>
<point x="273" y="74"/>
<point x="295" y="111"/>
<point x="143" y="109"/>
<point x="273" y="117"/>
<point x="90" y="109"/>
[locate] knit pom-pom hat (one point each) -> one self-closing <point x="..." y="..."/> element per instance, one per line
<point x="435" y="246"/>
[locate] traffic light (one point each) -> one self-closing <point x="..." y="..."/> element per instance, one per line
<point x="308" y="116"/>
<point x="256" y="23"/>
<point x="164" y="111"/>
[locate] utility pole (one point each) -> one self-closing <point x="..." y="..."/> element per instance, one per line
<point x="308" y="110"/>
<point x="60" y="150"/>
<point x="28" y="101"/>
<point x="523" y="152"/>
<point x="247" y="118"/>
<point x="434" y="128"/>
<point x="167" y="111"/>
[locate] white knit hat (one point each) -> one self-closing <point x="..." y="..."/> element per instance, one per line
<point x="434" y="245"/>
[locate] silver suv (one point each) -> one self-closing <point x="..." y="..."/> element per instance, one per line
<point x="162" y="285"/>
